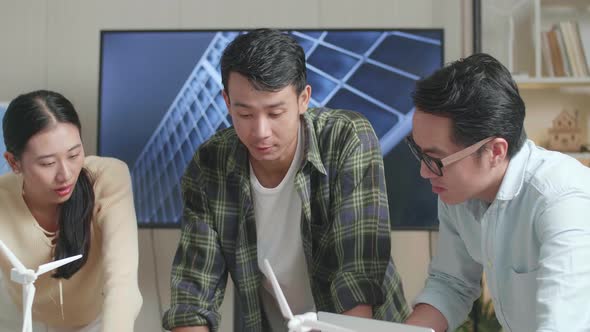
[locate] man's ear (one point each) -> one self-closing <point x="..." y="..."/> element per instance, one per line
<point x="226" y="98"/>
<point x="12" y="162"/>
<point x="304" y="98"/>
<point x="499" y="151"/>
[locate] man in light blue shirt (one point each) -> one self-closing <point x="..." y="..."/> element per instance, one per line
<point x="507" y="208"/>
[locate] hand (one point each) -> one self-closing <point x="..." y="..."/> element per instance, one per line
<point x="361" y="310"/>
<point x="428" y="316"/>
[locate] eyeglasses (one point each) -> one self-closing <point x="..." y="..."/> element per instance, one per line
<point x="435" y="164"/>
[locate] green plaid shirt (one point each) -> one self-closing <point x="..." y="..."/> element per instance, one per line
<point x="345" y="226"/>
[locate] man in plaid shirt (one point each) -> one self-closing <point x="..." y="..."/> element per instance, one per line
<point x="302" y="188"/>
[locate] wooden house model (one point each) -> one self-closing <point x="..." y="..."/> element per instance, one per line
<point x="566" y="134"/>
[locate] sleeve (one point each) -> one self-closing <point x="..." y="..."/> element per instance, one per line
<point x="361" y="229"/>
<point x="118" y="223"/>
<point x="199" y="274"/>
<point x="563" y="277"/>
<point x="454" y="278"/>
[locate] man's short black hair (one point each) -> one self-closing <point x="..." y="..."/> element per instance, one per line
<point x="480" y="97"/>
<point x="268" y="58"/>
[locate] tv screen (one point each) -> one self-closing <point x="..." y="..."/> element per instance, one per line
<point x="160" y="99"/>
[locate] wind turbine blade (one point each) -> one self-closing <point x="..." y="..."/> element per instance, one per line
<point x="54" y="265"/>
<point x="323" y="326"/>
<point x="285" y="310"/>
<point x="12" y="258"/>
<point x="28" y="297"/>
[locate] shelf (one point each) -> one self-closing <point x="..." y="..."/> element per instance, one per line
<point x="583" y="157"/>
<point x="551" y="82"/>
<point x="578" y="155"/>
<point x="575" y="4"/>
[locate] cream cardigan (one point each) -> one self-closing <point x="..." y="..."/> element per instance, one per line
<point x="107" y="284"/>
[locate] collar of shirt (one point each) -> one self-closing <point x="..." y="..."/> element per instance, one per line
<point x="512" y="182"/>
<point x="515" y="174"/>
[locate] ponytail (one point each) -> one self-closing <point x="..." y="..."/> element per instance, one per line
<point x="75" y="226"/>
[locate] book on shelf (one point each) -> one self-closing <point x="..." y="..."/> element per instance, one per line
<point x="567" y="67"/>
<point x="580" y="54"/>
<point x="573" y="38"/>
<point x="546" y="55"/>
<point x="551" y="49"/>
<point x="565" y="50"/>
<point x="584" y="32"/>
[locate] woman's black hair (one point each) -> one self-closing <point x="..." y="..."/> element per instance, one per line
<point x="27" y="115"/>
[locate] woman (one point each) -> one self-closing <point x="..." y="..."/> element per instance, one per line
<point x="58" y="203"/>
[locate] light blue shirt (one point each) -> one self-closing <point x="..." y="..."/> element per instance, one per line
<point x="532" y="242"/>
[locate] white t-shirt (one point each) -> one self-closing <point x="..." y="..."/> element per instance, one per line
<point x="278" y="230"/>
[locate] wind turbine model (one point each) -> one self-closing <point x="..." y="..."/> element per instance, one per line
<point x="298" y="323"/>
<point x="26" y="277"/>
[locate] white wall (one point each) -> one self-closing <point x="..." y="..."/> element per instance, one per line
<point x="54" y="44"/>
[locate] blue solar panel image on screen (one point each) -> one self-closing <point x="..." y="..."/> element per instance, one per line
<point x="4" y="168"/>
<point x="372" y="72"/>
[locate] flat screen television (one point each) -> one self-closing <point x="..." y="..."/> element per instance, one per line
<point x="160" y="98"/>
